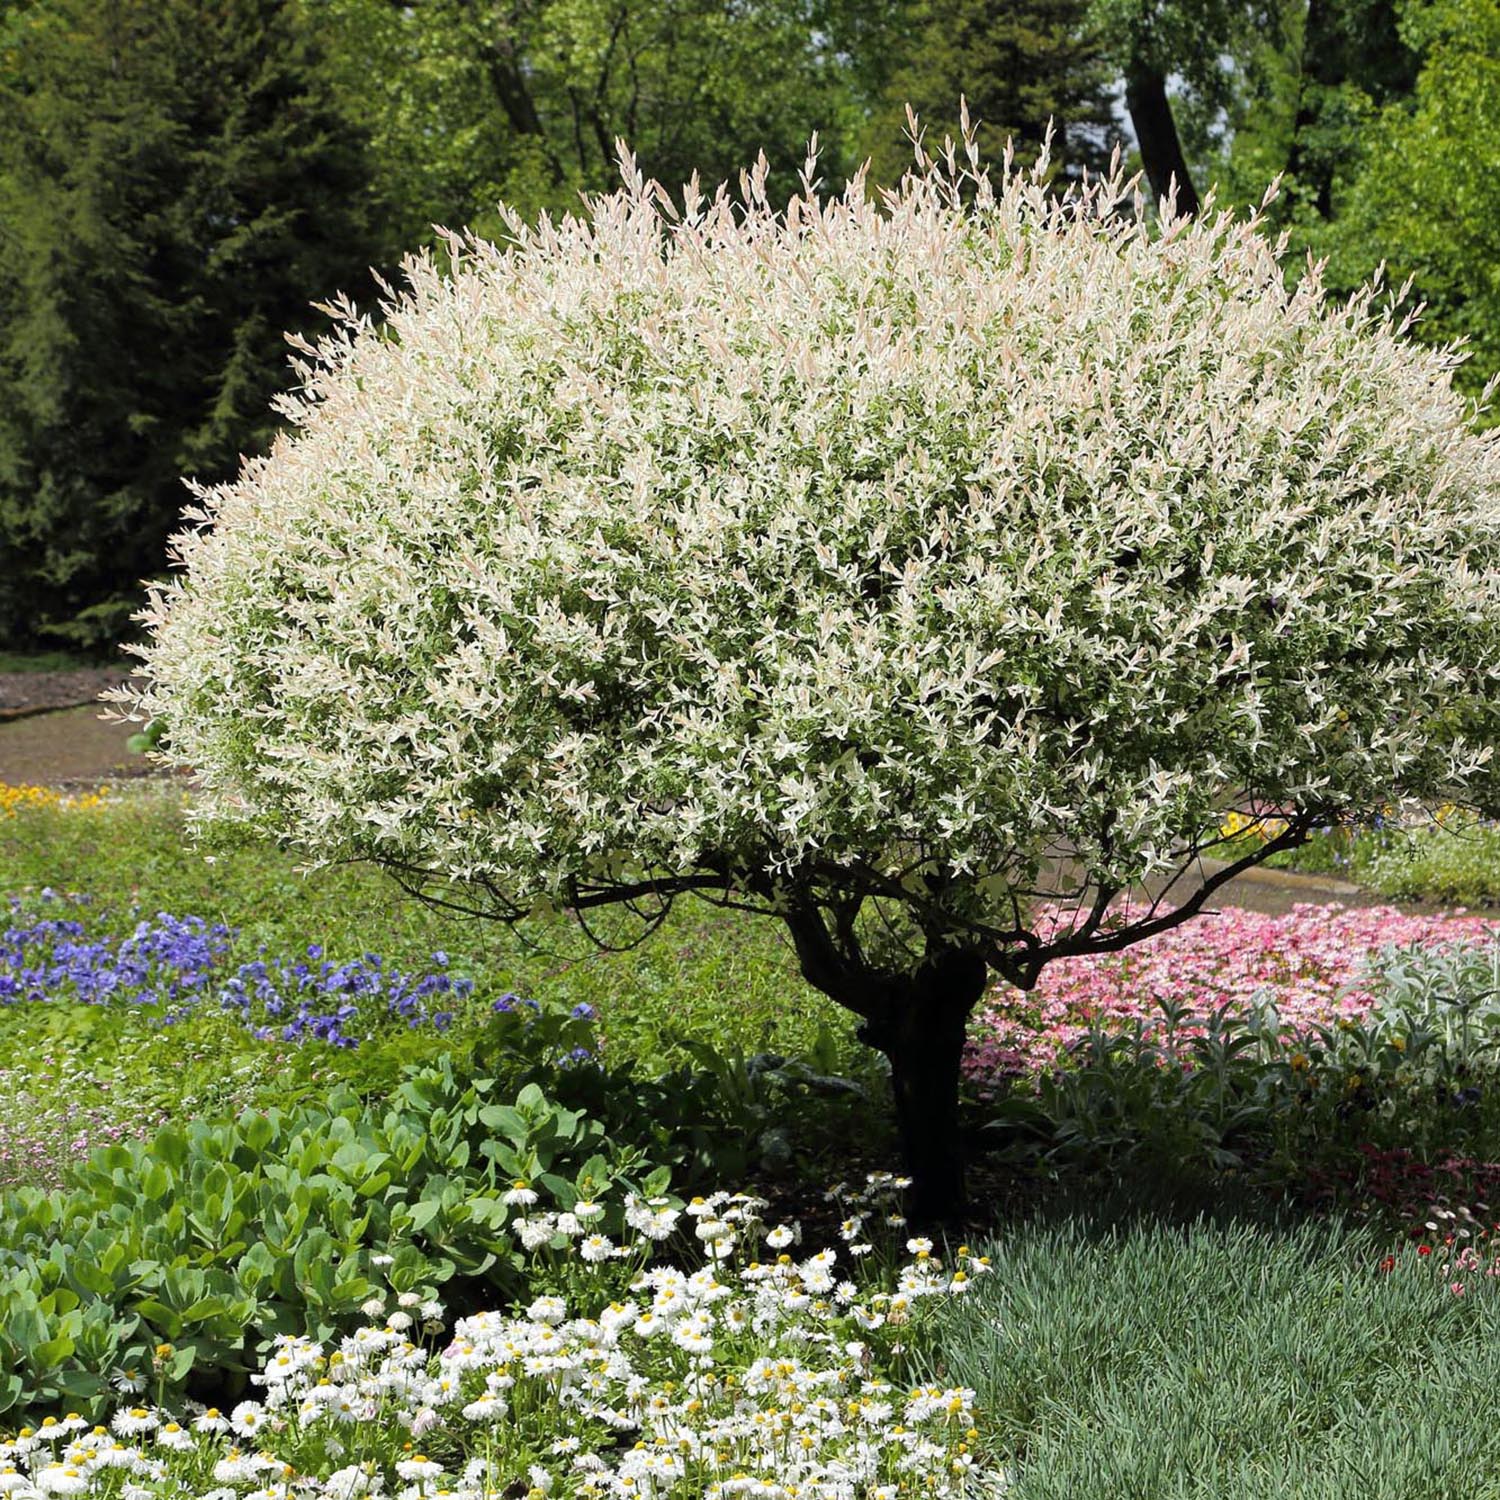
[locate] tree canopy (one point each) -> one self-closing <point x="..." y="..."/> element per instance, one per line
<point x="176" y="187"/>
<point x="894" y="570"/>
<point x="1025" y="70"/>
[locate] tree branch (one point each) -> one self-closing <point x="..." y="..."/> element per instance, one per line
<point x="1296" y="832"/>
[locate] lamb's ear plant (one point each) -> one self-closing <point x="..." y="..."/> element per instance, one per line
<point x="873" y="565"/>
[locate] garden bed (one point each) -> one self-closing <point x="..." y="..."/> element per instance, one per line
<point x="213" y="1050"/>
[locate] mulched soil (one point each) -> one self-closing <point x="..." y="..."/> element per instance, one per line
<point x="25" y="693"/>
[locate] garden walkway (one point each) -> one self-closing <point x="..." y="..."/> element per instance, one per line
<point x="51" y="733"/>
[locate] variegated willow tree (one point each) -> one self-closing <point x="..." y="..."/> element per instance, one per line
<point x="909" y="572"/>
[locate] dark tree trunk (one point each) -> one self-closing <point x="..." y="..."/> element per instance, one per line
<point x="1319" y="69"/>
<point x="1156" y="134"/>
<point x="921" y="1030"/>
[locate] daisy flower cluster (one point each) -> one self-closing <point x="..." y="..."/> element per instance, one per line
<point x="762" y="1372"/>
<point x="1312" y="964"/>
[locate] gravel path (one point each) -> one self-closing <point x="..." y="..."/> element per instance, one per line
<point x="26" y="693"/>
<point x="72" y="747"/>
<point x="51" y="733"/>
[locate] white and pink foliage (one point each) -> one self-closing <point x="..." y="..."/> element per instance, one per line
<point x="950" y="531"/>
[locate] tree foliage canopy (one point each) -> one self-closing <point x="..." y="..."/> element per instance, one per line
<point x="883" y="553"/>
<point x="1025" y="69"/>
<point x="176" y="187"/>
<point x="523" y="102"/>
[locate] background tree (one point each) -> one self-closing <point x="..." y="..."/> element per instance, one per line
<point x="1427" y="196"/>
<point x="1021" y="67"/>
<point x="175" y="188"/>
<point x="1352" y="59"/>
<point x="524" y="101"/>
<point x="1382" y="119"/>
<point x="895" y="574"/>
<point x="1183" y="66"/>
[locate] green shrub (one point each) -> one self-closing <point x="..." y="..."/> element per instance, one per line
<point x="1456" y="863"/>
<point x="1453" y="859"/>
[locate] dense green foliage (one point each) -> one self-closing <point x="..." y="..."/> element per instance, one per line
<point x="213" y="1236"/>
<point x="1452" y="863"/>
<point x="526" y="102"/>
<point x="1427" y="195"/>
<point x="1020" y="68"/>
<point x="1380" y="115"/>
<point x="176" y="185"/>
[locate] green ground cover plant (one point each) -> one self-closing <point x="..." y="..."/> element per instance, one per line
<point x="217" y="1235"/>
<point x="1216" y="1356"/>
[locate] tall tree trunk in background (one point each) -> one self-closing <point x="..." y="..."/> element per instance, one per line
<point x="1313" y="179"/>
<point x="1156" y="133"/>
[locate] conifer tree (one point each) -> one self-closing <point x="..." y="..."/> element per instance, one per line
<point x="175" y="190"/>
<point x="1019" y="63"/>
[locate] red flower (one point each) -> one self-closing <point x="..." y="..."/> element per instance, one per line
<point x="1424" y="1249"/>
<point x="1389" y="1263"/>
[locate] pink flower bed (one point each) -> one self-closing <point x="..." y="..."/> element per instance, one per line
<point x="1309" y="963"/>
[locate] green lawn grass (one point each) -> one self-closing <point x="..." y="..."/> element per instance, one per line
<point x="706" y="975"/>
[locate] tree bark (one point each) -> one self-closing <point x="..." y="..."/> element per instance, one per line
<point x="921" y="1030"/>
<point x="1156" y="134"/>
<point x="1319" y="70"/>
